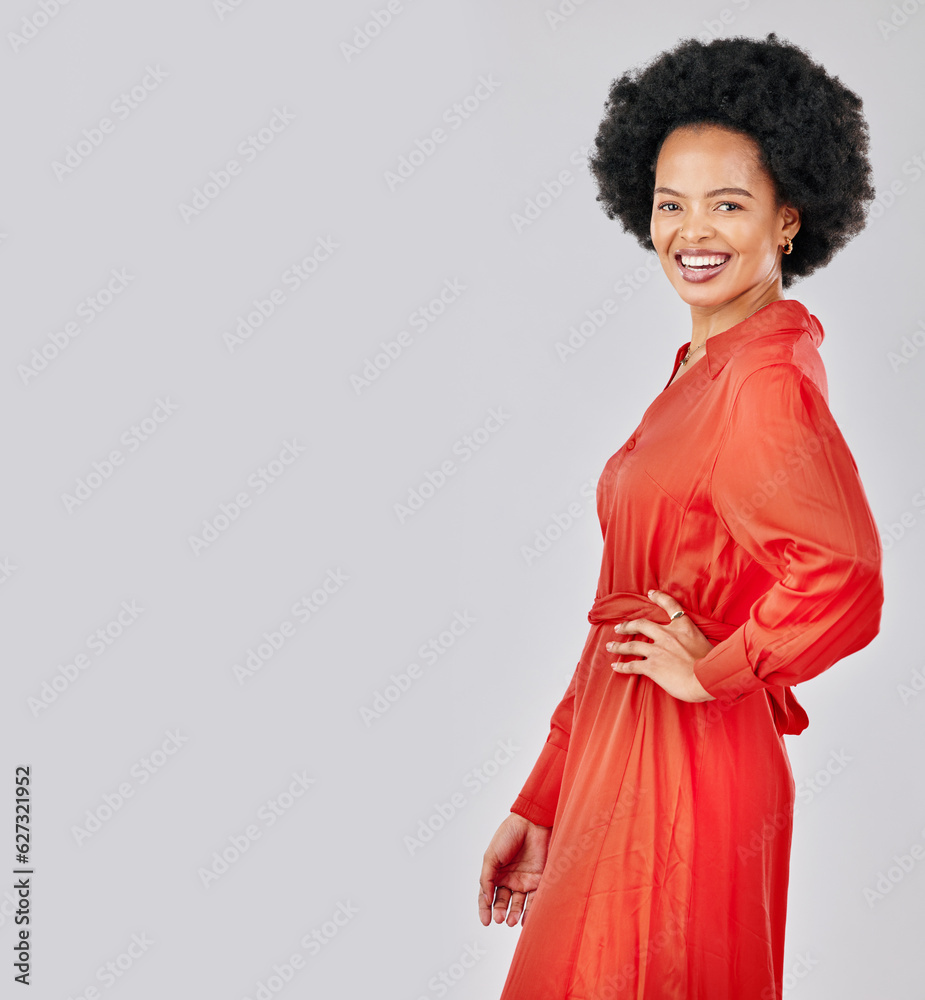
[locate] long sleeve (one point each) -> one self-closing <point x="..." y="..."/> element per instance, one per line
<point x="786" y="489"/>
<point x="539" y="796"/>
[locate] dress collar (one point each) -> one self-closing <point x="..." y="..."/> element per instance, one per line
<point x="781" y="315"/>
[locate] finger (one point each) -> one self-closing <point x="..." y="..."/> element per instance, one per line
<point x="502" y="898"/>
<point x="634" y="647"/>
<point x="633" y="666"/>
<point x="620" y="648"/>
<point x="517" y="907"/>
<point x="485" y="898"/>
<point x="528" y="902"/>
<point x="638" y="626"/>
<point x="487" y="890"/>
<point x="636" y="667"/>
<point x="664" y="601"/>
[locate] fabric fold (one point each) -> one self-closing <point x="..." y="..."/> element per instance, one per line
<point x="789" y="715"/>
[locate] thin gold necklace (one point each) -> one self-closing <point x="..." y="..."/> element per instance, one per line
<point x="687" y="356"/>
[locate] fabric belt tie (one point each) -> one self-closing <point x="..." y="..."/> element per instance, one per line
<point x="789" y="715"/>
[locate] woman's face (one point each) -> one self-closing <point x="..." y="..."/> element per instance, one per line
<point x="713" y="197"/>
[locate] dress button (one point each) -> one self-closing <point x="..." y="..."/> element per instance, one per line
<point x="631" y="444"/>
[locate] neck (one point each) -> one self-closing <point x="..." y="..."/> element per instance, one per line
<point x="707" y="321"/>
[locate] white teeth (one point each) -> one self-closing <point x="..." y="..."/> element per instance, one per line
<point x="702" y="261"/>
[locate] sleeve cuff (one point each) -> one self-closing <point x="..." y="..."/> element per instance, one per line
<point x="540" y="795"/>
<point x="725" y="671"/>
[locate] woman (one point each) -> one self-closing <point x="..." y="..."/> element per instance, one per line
<point x="650" y="844"/>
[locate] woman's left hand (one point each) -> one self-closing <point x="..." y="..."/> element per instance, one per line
<point x="670" y="657"/>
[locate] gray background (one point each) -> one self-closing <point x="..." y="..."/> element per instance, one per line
<point x="332" y="509"/>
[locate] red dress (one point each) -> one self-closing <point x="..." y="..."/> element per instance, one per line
<point x="669" y="857"/>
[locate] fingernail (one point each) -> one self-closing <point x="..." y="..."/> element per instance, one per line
<point x="650" y="593"/>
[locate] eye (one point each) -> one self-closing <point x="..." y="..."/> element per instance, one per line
<point x="731" y="204"/>
<point x="667" y="204"/>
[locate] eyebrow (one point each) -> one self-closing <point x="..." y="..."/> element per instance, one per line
<point x="710" y="194"/>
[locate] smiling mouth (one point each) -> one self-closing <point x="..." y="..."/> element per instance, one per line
<point x="701" y="266"/>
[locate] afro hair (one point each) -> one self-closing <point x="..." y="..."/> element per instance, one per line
<point x="809" y="127"/>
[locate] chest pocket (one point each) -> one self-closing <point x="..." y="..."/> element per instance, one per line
<point x="671" y="490"/>
<point x="675" y="468"/>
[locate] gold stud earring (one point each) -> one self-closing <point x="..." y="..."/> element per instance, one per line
<point x="788" y="246"/>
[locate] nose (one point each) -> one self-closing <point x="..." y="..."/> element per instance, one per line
<point x="696" y="225"/>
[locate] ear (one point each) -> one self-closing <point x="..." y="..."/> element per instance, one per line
<point x="789" y="221"/>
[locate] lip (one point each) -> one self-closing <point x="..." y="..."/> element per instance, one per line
<point x="695" y="276"/>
